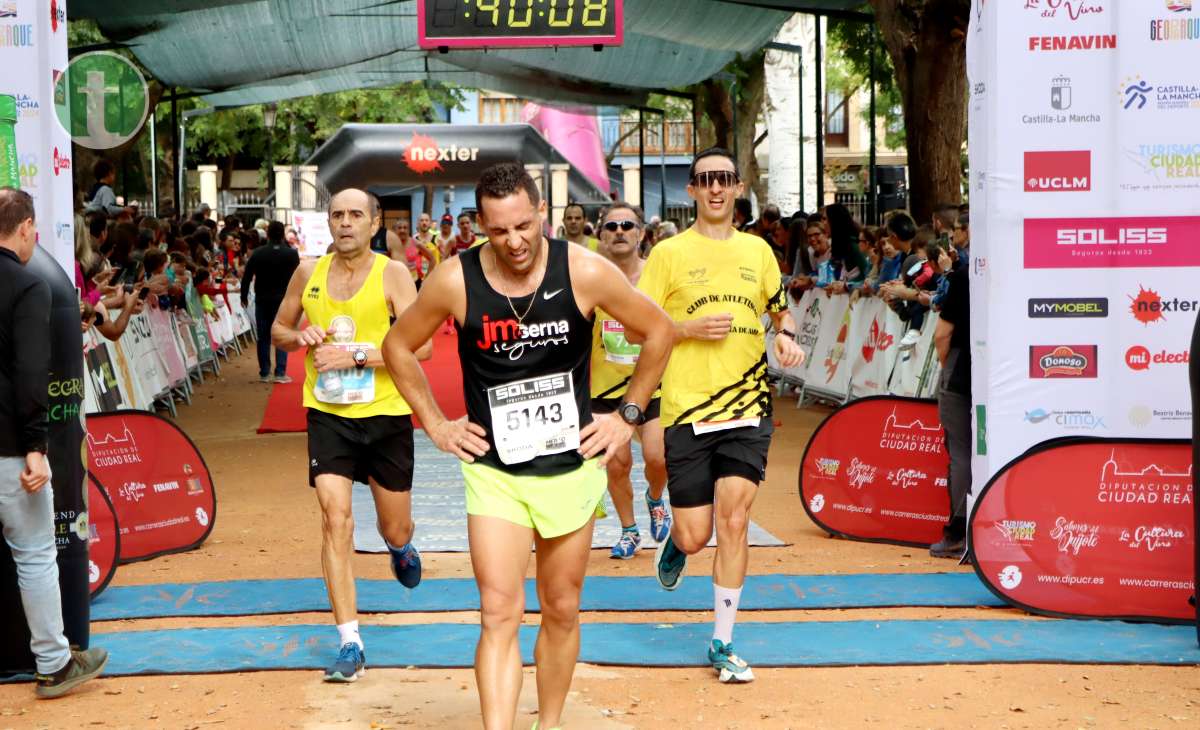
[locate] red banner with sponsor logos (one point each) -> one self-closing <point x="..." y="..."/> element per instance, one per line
<point x="104" y="538"/>
<point x="160" y="488"/>
<point x="876" y="469"/>
<point x="1095" y="528"/>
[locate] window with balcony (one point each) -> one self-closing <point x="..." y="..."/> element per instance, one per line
<point x="837" y="118"/>
<point x="500" y="110"/>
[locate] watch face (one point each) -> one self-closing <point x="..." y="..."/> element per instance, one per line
<point x="360" y="357"/>
<point x="630" y="413"/>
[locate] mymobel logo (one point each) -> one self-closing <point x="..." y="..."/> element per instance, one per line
<point x="1084" y="307"/>
<point x="101" y="100"/>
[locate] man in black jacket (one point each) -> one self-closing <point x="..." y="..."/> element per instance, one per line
<point x="26" y="496"/>
<point x="273" y="265"/>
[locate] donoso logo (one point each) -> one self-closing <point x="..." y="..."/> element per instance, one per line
<point x="1111" y="243"/>
<point x="1058" y="172"/>
<point x="1062" y="361"/>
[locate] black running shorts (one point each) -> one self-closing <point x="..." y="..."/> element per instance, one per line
<point x="695" y="463"/>
<point x="610" y="405"/>
<point x="376" y="447"/>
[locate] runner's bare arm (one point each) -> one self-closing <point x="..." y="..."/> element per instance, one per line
<point x="786" y="348"/>
<point x="599" y="283"/>
<point x="443" y="294"/>
<point x="284" y="332"/>
<point x="401" y="295"/>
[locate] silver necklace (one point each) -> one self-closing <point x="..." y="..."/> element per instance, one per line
<point x="532" y="298"/>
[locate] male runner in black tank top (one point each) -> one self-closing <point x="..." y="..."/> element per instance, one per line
<point x="523" y="308"/>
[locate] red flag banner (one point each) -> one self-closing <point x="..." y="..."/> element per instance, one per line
<point x="1092" y="528"/>
<point x="104" y="538"/>
<point x="876" y="469"/>
<point x="160" y="487"/>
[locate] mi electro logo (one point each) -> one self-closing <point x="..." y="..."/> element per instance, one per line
<point x="1068" y="308"/>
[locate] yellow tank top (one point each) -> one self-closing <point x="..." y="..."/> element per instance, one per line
<point x="363" y="318"/>
<point x="613" y="358"/>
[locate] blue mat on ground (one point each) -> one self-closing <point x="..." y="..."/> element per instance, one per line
<point x="844" y="643"/>
<point x="440" y="508"/>
<point x="600" y="593"/>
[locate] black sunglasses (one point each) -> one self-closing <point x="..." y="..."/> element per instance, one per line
<point x="626" y="226"/>
<point x="724" y="178"/>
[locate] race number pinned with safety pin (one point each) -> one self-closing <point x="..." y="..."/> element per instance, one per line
<point x="534" y="417"/>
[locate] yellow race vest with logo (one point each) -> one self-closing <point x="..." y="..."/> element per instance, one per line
<point x="363" y="318"/>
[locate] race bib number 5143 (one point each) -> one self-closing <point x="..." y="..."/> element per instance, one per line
<point x="534" y="417"/>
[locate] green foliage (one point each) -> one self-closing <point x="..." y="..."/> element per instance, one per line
<point x="303" y="124"/>
<point x="848" y="66"/>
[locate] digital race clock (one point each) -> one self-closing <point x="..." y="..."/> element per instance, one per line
<point x="521" y="23"/>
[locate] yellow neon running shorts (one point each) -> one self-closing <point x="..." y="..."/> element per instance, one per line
<point x="553" y="506"/>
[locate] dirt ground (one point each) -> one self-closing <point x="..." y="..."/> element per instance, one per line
<point x="268" y="527"/>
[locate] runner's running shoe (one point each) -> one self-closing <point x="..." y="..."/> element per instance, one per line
<point x="406" y="565"/>
<point x="350" y="665"/>
<point x="669" y="562"/>
<point x="627" y="546"/>
<point x="729" y="666"/>
<point x="660" y="519"/>
<point x="283" y="379"/>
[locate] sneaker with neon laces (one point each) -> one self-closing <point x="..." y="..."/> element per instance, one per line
<point x="406" y="565"/>
<point x="669" y="562"/>
<point x="282" y="379"/>
<point x="350" y="665"/>
<point x="82" y="666"/>
<point x="660" y="519"/>
<point x="627" y="546"/>
<point x="730" y="668"/>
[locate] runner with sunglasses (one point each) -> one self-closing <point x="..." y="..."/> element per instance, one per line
<point x="716" y="283"/>
<point x="613" y="361"/>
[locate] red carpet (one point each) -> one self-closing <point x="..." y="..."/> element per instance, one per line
<point x="285" y="414"/>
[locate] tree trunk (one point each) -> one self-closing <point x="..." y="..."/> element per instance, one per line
<point x="927" y="44"/>
<point x="717" y="106"/>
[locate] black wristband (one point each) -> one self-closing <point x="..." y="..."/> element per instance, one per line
<point x="789" y="333"/>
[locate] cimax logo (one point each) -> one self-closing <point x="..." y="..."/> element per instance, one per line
<point x="1058" y="171"/>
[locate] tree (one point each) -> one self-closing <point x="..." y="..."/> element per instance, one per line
<point x="926" y="40"/>
<point x="849" y="45"/>
<point x="714" y="98"/>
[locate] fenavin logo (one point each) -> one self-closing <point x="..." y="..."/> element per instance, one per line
<point x="1068" y="308"/>
<point x="101" y="100"/>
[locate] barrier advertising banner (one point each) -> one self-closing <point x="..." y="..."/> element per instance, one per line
<point x="104" y="537"/>
<point x="1094" y="528"/>
<point x="876" y="469"/>
<point x="161" y="490"/>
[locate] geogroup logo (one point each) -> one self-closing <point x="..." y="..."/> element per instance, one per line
<point x="1058" y="171"/>
<point x="1136" y="94"/>
<point x="1148" y="306"/>
<point x="101" y="100"/>
<point x="1175" y="29"/>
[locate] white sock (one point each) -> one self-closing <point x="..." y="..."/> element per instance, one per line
<point x="348" y="634"/>
<point x="725" y="603"/>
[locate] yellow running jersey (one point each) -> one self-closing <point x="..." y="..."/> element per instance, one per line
<point x="361" y="319"/>
<point x="692" y="276"/>
<point x="613" y="358"/>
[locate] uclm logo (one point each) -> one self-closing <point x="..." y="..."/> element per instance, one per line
<point x="1058" y="171"/>
<point x="1097" y="243"/>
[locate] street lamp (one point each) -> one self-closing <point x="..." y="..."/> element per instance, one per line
<point x="269" y="113"/>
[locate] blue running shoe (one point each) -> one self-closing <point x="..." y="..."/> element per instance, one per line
<point x="627" y="546"/>
<point x="406" y="565"/>
<point x="730" y="667"/>
<point x="660" y="519"/>
<point x="350" y="665"/>
<point x="669" y="562"/>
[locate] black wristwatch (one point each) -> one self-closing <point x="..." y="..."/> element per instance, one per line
<point x="360" y="359"/>
<point x="631" y="413"/>
<point x="789" y="333"/>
